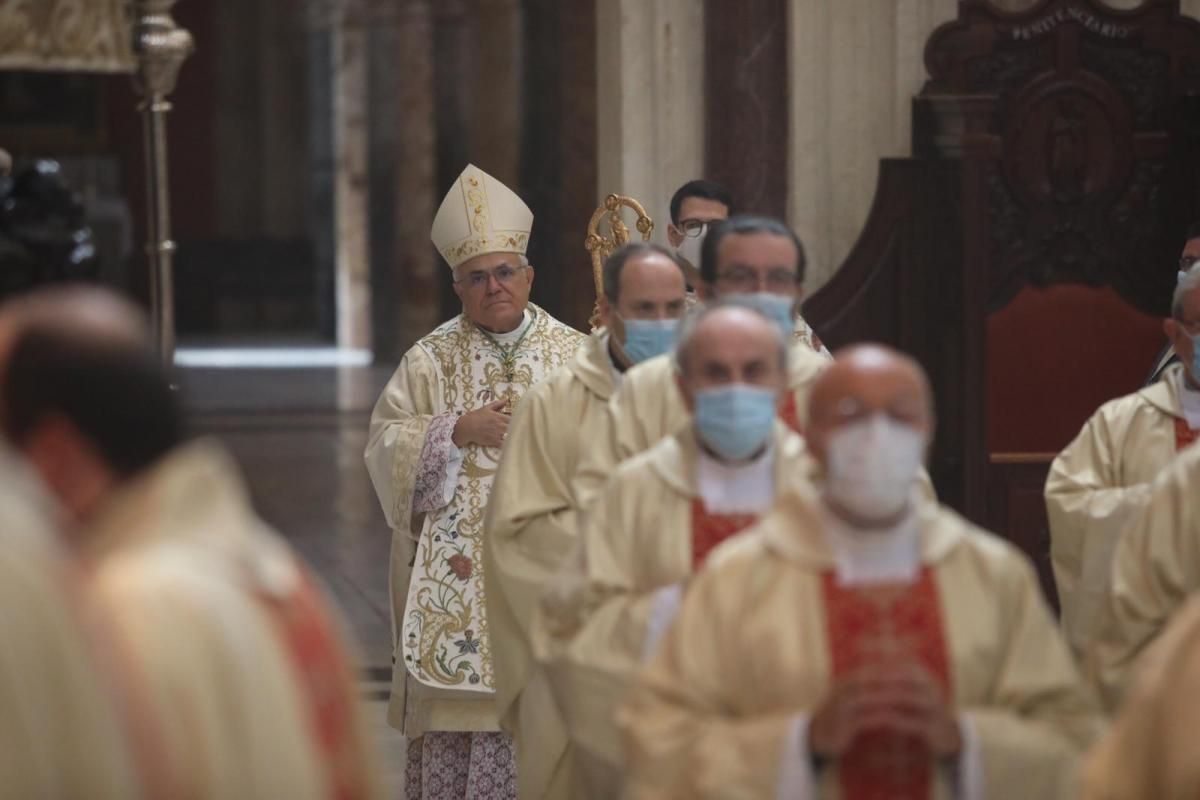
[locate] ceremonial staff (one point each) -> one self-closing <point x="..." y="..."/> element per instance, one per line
<point x="161" y="47"/>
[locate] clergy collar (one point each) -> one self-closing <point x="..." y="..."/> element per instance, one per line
<point x="881" y="555"/>
<point x="513" y="335"/>
<point x="796" y="527"/>
<point x="675" y="457"/>
<point x="746" y="487"/>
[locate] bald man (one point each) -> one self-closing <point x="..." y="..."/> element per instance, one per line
<point x="861" y="641"/>
<point x="240" y="660"/>
<point x="656" y="521"/>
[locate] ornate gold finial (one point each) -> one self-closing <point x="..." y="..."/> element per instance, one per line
<point x="600" y="247"/>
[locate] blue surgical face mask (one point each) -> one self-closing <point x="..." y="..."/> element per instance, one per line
<point x="776" y="307"/>
<point x="647" y="338"/>
<point x="735" y="421"/>
<point x="1195" y="356"/>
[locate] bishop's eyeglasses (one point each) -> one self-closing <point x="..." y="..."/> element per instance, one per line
<point x="478" y="279"/>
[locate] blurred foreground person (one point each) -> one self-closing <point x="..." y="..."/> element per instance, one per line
<point x="242" y="664"/>
<point x="1151" y="751"/>
<point x="865" y="642"/>
<point x="61" y="731"/>
<point x="657" y="520"/>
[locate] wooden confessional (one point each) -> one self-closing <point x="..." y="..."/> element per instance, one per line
<point x="1026" y="252"/>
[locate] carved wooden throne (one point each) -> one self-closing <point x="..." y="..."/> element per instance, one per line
<point x="1026" y="249"/>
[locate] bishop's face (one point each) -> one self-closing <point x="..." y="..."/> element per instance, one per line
<point x="494" y="289"/>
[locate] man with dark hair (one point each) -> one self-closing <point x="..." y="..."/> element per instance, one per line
<point x="530" y="522"/>
<point x="694" y="207"/>
<point x="756" y="260"/>
<point x="241" y="663"/>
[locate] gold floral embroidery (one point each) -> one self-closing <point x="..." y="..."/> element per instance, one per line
<point x="445" y="630"/>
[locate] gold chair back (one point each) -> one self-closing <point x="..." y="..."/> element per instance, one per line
<point x="600" y="244"/>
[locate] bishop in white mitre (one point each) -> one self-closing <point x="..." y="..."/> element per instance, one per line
<point x="1101" y="481"/>
<point x="432" y="453"/>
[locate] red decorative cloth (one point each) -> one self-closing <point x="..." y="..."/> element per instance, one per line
<point x="886" y="624"/>
<point x="709" y="530"/>
<point x="789" y="415"/>
<point x="326" y="681"/>
<point x="1184" y="435"/>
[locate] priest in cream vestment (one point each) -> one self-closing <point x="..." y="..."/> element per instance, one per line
<point x="238" y="659"/>
<point x="861" y="642"/>
<point x="432" y="453"/>
<point x="530" y="523"/>
<point x="1155" y="570"/>
<point x="62" y="726"/>
<point x="1151" y="749"/>
<point x="1102" y="479"/>
<point x="655" y="522"/>
<point x="754" y="260"/>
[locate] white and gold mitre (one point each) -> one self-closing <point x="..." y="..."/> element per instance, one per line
<point x="480" y="215"/>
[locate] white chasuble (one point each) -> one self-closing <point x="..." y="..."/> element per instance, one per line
<point x="1101" y="481"/>
<point x="439" y="618"/>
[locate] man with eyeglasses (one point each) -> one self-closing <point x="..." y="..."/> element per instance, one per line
<point x="1102" y="479"/>
<point x="694" y="207"/>
<point x="756" y="260"/>
<point x="433" y="449"/>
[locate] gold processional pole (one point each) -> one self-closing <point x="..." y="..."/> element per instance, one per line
<point x="600" y="247"/>
<point x="161" y="47"/>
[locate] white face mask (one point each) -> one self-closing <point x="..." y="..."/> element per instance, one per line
<point x="689" y="248"/>
<point x="872" y="465"/>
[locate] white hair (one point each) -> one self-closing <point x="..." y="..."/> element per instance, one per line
<point x="687" y="330"/>
<point x="1187" y="281"/>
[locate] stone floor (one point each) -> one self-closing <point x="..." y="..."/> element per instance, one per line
<point x="299" y="436"/>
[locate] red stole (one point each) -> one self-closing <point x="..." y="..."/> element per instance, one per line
<point x="326" y="684"/>
<point x="789" y="415"/>
<point x="1184" y="435"/>
<point x="709" y="530"/>
<point x="872" y="625"/>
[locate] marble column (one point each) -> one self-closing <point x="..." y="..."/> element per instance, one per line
<point x="650" y="99"/>
<point x="747" y="91"/>
<point x="406" y="268"/>
<point x="558" y="164"/>
<point x="854" y="69"/>
<point x="495" y="105"/>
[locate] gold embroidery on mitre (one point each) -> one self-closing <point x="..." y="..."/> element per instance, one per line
<point x="480" y="215"/>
